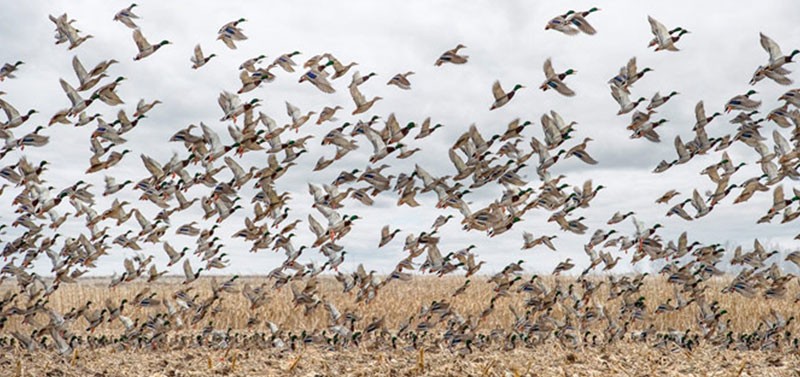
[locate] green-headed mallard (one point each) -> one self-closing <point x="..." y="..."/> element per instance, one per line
<point x="144" y="47"/>
<point x="624" y="101"/>
<point x="561" y="23"/>
<point x="500" y="96"/>
<point x="7" y="70"/>
<point x="319" y="78"/>
<point x="285" y="61"/>
<point x="743" y="102"/>
<point x="230" y="33"/>
<point x="126" y="16"/>
<point x="555" y="81"/>
<point x="578" y="19"/>
<point x="198" y="59"/>
<point x="658" y="100"/>
<point x="665" y="41"/>
<point x="14" y="117"/>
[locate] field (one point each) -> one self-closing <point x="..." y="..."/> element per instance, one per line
<point x="247" y="350"/>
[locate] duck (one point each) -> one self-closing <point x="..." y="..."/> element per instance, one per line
<point x="578" y="19"/>
<point x="776" y="57"/>
<point x="664" y="40"/>
<point x="452" y="56"/>
<point x="198" y="59"/>
<point x="562" y="23"/>
<point x="126" y="16"/>
<point x="743" y="102"/>
<point x="672" y="32"/>
<point x="339" y="69"/>
<point x="144" y="47"/>
<point x="400" y="80"/>
<point x="327" y="114"/>
<point x="285" y="61"/>
<point x="623" y="99"/>
<point x="358" y="79"/>
<point x="579" y="151"/>
<point x="189" y="274"/>
<point x="230" y="33"/>
<point x="502" y="97"/>
<point x="530" y="242"/>
<point x="14" y="117"/>
<point x="658" y="100"/>
<point x="319" y="78"/>
<point x="8" y="69"/>
<point x="362" y="105"/>
<point x="555" y="81"/>
<point x="700" y="116"/>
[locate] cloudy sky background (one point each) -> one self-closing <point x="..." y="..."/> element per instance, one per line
<point x="506" y="41"/>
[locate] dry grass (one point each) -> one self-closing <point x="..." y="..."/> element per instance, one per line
<point x="396" y="303"/>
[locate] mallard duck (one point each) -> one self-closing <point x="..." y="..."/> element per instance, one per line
<point x="339" y="69"/>
<point x="530" y="242"/>
<point x="579" y="151"/>
<point x="362" y="105"/>
<point x="7" y="70"/>
<point x="198" y="59"/>
<point x="298" y="118"/>
<point x="658" y="100"/>
<point x="452" y="56"/>
<point x="126" y="16"/>
<point x="189" y="273"/>
<point x="578" y="19"/>
<point x="561" y="23"/>
<point x="500" y="96"/>
<point x="86" y="81"/>
<point x="358" y="79"/>
<point x="743" y="102"/>
<point x="555" y="81"/>
<point x="318" y="78"/>
<point x="776" y="57"/>
<point x="624" y="101"/>
<point x="14" y="118"/>
<point x="628" y="75"/>
<point x="563" y="266"/>
<point x="664" y="40"/>
<point x="144" y="47"/>
<point x="107" y="94"/>
<point x="327" y="114"/>
<point x="672" y="32"/>
<point x="401" y="80"/>
<point x="142" y="107"/>
<point x="700" y="116"/>
<point x="285" y="61"/>
<point x="426" y="129"/>
<point x="232" y="106"/>
<point x="667" y="196"/>
<point x="230" y="32"/>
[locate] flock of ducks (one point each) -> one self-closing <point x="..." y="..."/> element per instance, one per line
<point x="211" y="168"/>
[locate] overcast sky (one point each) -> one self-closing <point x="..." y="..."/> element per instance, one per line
<point x="506" y="41"/>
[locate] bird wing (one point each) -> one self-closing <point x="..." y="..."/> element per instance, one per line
<point x="620" y="96"/>
<point x="358" y="98"/>
<point x="187" y="269"/>
<point x="700" y="112"/>
<point x="73" y="95"/>
<point x="548" y="69"/>
<point x="79" y="69"/>
<point x="293" y="111"/>
<point x="377" y="142"/>
<point x="659" y="30"/>
<point x="198" y="54"/>
<point x="631" y="69"/>
<point x="771" y="48"/>
<point x="497" y="90"/>
<point x="141" y="43"/>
